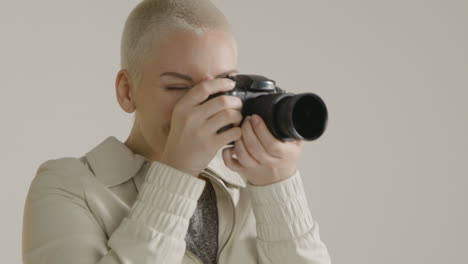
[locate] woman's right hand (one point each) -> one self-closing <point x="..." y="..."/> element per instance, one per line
<point x="192" y="140"/>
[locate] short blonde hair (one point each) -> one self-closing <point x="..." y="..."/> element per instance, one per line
<point x="151" y="18"/>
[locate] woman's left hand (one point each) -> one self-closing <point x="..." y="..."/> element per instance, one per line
<point x="262" y="158"/>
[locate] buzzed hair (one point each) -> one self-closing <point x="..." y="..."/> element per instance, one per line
<point x="152" y="18"/>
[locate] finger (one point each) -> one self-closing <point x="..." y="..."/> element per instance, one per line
<point x="200" y="92"/>
<point x="252" y="144"/>
<point x="243" y="156"/>
<point x="230" y="135"/>
<point x="230" y="162"/>
<point x="215" y="105"/>
<point x="222" y="119"/>
<point x="270" y="143"/>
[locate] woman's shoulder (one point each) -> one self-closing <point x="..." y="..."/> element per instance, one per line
<point x="65" y="165"/>
<point x="66" y="174"/>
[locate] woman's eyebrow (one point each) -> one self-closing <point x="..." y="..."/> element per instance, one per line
<point x="177" y="75"/>
<point x="188" y="78"/>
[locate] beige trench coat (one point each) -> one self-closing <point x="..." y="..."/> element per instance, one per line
<point x="114" y="206"/>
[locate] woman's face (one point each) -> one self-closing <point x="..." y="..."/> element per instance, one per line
<point x="180" y="60"/>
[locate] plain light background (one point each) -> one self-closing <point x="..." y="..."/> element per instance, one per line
<point x="387" y="182"/>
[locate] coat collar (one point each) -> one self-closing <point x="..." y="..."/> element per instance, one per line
<point x="114" y="163"/>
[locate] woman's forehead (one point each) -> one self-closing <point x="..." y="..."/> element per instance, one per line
<point x="210" y="54"/>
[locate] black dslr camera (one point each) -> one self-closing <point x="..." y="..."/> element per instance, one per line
<point x="288" y="116"/>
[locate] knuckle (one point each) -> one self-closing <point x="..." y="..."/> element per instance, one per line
<point x="231" y="114"/>
<point x="235" y="117"/>
<point x="225" y="101"/>
<point x="228" y="83"/>
<point x="238" y="101"/>
<point x="275" y="148"/>
<point x="239" y="116"/>
<point x="204" y="89"/>
<point x="231" y="135"/>
<point x="191" y="117"/>
<point x="188" y="118"/>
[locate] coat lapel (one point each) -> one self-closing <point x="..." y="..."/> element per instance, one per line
<point x="113" y="163"/>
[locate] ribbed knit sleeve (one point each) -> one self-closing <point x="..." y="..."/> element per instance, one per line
<point x="155" y="228"/>
<point x="286" y="231"/>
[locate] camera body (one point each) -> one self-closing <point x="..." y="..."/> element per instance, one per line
<point x="288" y="116"/>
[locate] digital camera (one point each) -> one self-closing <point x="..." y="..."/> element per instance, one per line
<point x="288" y="116"/>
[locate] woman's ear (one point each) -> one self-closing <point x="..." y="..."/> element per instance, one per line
<point x="124" y="88"/>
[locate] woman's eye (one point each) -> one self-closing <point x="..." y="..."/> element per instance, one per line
<point x="176" y="88"/>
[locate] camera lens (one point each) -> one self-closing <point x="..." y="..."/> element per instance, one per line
<point x="309" y="116"/>
<point x="302" y="116"/>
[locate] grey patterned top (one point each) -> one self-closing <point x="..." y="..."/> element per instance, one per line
<point x="202" y="234"/>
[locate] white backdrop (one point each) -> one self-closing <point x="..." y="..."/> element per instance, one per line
<point x="387" y="182"/>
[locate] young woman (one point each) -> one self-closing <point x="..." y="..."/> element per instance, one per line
<point x="172" y="192"/>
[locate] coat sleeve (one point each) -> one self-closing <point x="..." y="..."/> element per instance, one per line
<point x="58" y="227"/>
<point x="286" y="231"/>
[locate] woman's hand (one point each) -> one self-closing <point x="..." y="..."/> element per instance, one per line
<point x="193" y="140"/>
<point x="262" y="158"/>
